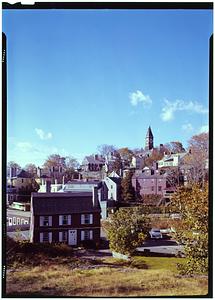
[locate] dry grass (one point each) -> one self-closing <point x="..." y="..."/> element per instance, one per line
<point x="153" y="277"/>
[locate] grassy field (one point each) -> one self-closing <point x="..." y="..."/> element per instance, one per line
<point x="70" y="276"/>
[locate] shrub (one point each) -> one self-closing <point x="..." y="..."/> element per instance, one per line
<point x="88" y="244"/>
<point x="126" y="230"/>
<point x="192" y="229"/>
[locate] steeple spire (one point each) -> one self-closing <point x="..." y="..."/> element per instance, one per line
<point x="149" y="139"/>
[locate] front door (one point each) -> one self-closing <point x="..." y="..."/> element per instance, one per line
<point x="72" y="237"/>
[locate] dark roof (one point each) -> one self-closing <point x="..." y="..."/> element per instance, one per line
<point x="83" y="182"/>
<point x="168" y="159"/>
<point x="154" y="176"/>
<point x="44" y="176"/>
<point x="116" y="180"/>
<point x="24" y="174"/>
<point x="62" y="203"/>
<point x="92" y="160"/>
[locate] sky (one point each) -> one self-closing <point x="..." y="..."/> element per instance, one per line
<point x="81" y="78"/>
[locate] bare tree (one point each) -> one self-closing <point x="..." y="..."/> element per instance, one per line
<point x="174" y="147"/>
<point x="104" y="149"/>
<point x="53" y="160"/>
<point x="13" y="164"/>
<point x="197" y="159"/>
<point x="31" y="168"/>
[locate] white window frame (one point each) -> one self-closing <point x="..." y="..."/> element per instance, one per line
<point x="63" y="236"/>
<point x="48" y="234"/>
<point x="18" y="221"/>
<point x="86" y="235"/>
<point x="10" y="221"/>
<point x="14" y="220"/>
<point x="45" y="221"/>
<point x="86" y="219"/>
<point x="61" y="220"/>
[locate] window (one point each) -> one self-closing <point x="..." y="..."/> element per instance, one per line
<point x="45" y="237"/>
<point x="45" y="220"/>
<point x="160" y="188"/>
<point x="87" y="219"/>
<point x="14" y="220"/>
<point x="18" y="221"/>
<point x="86" y="235"/>
<point x="65" y="220"/>
<point x="10" y="221"/>
<point x="111" y="186"/>
<point x="152" y="189"/>
<point x="63" y="236"/>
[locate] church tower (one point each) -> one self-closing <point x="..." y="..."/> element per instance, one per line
<point x="149" y="139"/>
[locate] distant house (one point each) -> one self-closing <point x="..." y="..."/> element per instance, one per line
<point x="113" y="188"/>
<point x="65" y="217"/>
<point x="109" y="190"/>
<point x="11" y="194"/>
<point x="171" y="160"/>
<point x="21" y="181"/>
<point x="137" y="161"/>
<point x="93" y="163"/>
<point x="17" y="218"/>
<point x="151" y="182"/>
<point x="19" y="187"/>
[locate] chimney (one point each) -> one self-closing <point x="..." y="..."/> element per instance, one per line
<point x="48" y="187"/>
<point x="55" y="182"/>
<point x="79" y="176"/>
<point x="63" y="180"/>
<point x="95" y="196"/>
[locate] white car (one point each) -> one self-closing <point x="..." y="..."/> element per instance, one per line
<point x="155" y="233"/>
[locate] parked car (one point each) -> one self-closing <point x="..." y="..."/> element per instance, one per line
<point x="155" y="233"/>
<point x="165" y="230"/>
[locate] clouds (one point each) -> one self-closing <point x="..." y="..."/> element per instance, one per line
<point x="24" y="152"/>
<point x="204" y="128"/>
<point x="170" y="108"/>
<point x="42" y="135"/>
<point x="24" y="146"/>
<point x="138" y="97"/>
<point x="187" y="127"/>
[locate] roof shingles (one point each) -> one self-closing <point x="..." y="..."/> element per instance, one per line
<point x="63" y="204"/>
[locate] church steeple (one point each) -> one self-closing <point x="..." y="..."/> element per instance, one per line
<point x="149" y="139"/>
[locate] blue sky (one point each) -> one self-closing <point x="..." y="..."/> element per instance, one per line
<point x="81" y="78"/>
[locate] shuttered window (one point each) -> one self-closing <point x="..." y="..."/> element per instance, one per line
<point x="86" y="235"/>
<point x="45" y="220"/>
<point x="63" y="236"/>
<point x="45" y="237"/>
<point x="87" y="219"/>
<point x="65" y="220"/>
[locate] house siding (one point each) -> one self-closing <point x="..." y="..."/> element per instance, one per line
<point x="75" y="224"/>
